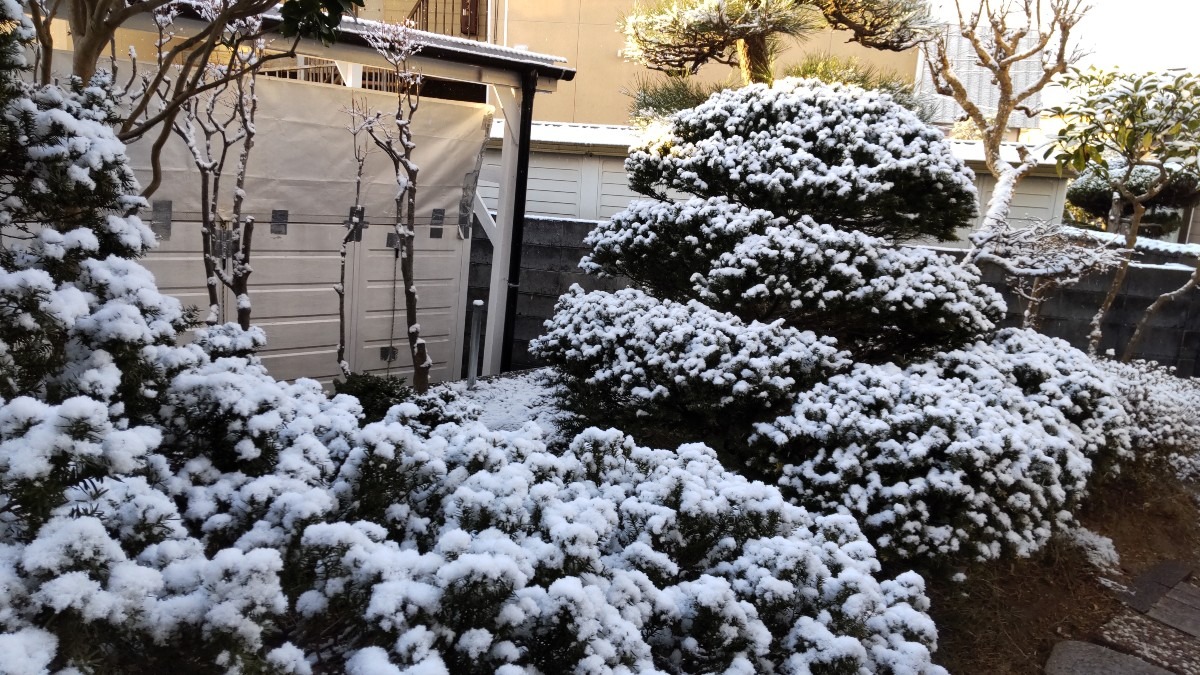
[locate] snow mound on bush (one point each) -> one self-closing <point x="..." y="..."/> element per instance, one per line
<point x="879" y="301"/>
<point x="637" y="351"/>
<point x="1161" y="407"/>
<point x="981" y="452"/>
<point x="626" y="559"/>
<point x="837" y="153"/>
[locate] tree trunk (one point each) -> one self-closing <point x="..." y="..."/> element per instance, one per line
<point x="754" y="60"/>
<point x="343" y="366"/>
<point x="1114" y="213"/>
<point x="241" y="274"/>
<point x="207" y="235"/>
<point x="1159" y="302"/>
<point x="1109" y="298"/>
<point x="416" y="344"/>
<point x="1032" y="318"/>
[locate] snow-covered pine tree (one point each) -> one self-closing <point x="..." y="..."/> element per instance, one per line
<point x="776" y="317"/>
<point x="793" y="187"/>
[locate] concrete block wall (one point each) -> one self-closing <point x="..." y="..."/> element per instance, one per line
<point x="1172" y="337"/>
<point x="550" y="257"/>
<point x="553" y="247"/>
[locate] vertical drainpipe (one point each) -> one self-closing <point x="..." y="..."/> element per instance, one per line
<point x="528" y="90"/>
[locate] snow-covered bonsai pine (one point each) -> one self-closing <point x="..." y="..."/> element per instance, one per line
<point x="782" y="248"/>
<point x="774" y="315"/>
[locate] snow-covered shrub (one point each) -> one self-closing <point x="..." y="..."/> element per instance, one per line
<point x="980" y="452"/>
<point x="842" y="155"/>
<point x="1161" y="405"/>
<point x="174" y="508"/>
<point x="376" y="393"/>
<point x="611" y="557"/>
<point x="101" y="571"/>
<point x="769" y="260"/>
<point x="942" y="435"/>
<point x="880" y="302"/>
<point x="629" y="353"/>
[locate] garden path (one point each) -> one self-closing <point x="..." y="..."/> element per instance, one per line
<point x="1157" y="633"/>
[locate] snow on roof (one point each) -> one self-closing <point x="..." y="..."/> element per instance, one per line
<point x="569" y="133"/>
<point x="357" y="26"/>
<point x="425" y="38"/>
<point x="621" y="136"/>
<point x="1148" y="245"/>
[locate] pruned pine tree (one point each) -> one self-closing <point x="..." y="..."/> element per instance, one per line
<point x="677" y="37"/>
<point x="393" y="135"/>
<point x="217" y="126"/>
<point x="892" y="25"/>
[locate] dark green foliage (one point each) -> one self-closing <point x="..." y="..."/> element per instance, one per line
<point x="1093" y="195"/>
<point x="376" y="393"/>
<point x="849" y="70"/>
<point x="654" y="99"/>
<point x="316" y="18"/>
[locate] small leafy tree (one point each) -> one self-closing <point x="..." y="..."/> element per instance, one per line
<point x="1092" y="194"/>
<point x="1149" y="120"/>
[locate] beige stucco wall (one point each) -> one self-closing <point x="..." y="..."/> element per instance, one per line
<point x="585" y="33"/>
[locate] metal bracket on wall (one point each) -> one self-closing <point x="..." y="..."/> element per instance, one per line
<point x="160" y="218"/>
<point x="279" y="221"/>
<point x="436" y="220"/>
<point x="356" y="222"/>
<point x="222" y="244"/>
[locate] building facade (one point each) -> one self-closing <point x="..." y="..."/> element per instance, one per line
<point x="586" y="34"/>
